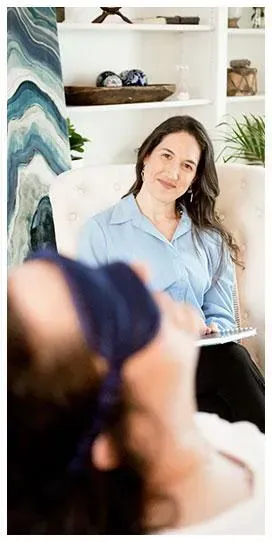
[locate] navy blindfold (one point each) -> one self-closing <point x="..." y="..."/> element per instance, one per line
<point x="118" y="317"/>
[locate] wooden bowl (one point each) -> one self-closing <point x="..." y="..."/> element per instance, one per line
<point x="78" y="95"/>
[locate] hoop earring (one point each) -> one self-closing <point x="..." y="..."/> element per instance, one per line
<point x="190" y="191"/>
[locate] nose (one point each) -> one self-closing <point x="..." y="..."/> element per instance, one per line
<point x="173" y="172"/>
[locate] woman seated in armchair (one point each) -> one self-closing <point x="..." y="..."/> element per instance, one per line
<point x="168" y="220"/>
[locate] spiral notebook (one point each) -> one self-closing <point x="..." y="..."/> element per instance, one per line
<point x="232" y="334"/>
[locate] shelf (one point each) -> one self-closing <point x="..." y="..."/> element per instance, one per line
<point x="246" y="32"/>
<point x="138" y="106"/>
<point x="134" y="27"/>
<point x="238" y="99"/>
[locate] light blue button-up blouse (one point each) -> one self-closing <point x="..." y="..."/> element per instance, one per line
<point x="122" y="232"/>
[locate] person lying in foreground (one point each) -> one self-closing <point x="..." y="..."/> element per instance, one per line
<point x="103" y="432"/>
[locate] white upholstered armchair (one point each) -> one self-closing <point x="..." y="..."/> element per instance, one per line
<point x="80" y="193"/>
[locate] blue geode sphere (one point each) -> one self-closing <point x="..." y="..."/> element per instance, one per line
<point x="108" y="79"/>
<point x="133" y="78"/>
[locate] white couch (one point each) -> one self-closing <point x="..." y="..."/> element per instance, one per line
<point x="82" y="192"/>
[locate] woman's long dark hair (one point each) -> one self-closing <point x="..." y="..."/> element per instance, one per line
<point x="205" y="186"/>
<point x="48" y="413"/>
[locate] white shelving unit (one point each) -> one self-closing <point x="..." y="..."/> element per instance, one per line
<point x="87" y="49"/>
<point x="93" y="27"/>
<point x="252" y="32"/>
<point x="246" y="99"/>
<point x="137" y="106"/>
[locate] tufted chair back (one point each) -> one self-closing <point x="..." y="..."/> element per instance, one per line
<point x="80" y="193"/>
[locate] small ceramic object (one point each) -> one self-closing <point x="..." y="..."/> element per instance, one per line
<point x="135" y="78"/>
<point x="108" y="79"/>
<point x="234" y="15"/>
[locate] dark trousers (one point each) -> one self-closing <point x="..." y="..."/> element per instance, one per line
<point x="229" y="384"/>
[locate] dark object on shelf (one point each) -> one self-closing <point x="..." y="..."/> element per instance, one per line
<point x="240" y="63"/>
<point x="182" y="20"/>
<point x="261" y="9"/>
<point x="242" y="82"/>
<point x="60" y="14"/>
<point x="257" y="17"/>
<point x="110" y="11"/>
<point x="78" y="95"/>
<point x="108" y="79"/>
<point x="133" y="78"/>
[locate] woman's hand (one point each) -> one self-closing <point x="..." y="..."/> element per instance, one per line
<point x="207" y="329"/>
<point x="211" y="328"/>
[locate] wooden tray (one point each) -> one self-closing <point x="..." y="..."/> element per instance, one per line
<point x="77" y="95"/>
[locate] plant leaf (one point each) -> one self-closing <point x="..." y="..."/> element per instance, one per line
<point x="76" y="140"/>
<point x="244" y="139"/>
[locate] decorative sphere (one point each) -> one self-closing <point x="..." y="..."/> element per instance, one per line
<point x="133" y="78"/>
<point x="108" y="79"/>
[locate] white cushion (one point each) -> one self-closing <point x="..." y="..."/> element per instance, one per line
<point x="80" y="193"/>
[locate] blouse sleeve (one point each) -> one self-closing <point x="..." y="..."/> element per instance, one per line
<point x="218" y="300"/>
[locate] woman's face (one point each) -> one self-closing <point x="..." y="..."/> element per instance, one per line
<point x="171" y="167"/>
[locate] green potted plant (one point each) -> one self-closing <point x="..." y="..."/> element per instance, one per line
<point x="244" y="140"/>
<point x="76" y="141"/>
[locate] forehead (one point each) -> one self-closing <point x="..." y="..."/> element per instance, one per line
<point x="40" y="293"/>
<point x="180" y="143"/>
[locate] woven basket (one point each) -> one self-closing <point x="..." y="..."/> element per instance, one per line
<point x="242" y="82"/>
